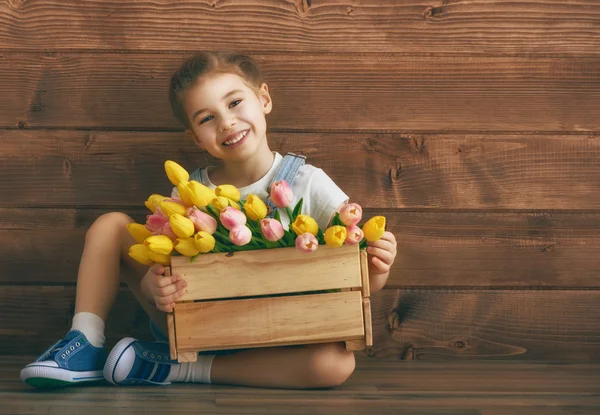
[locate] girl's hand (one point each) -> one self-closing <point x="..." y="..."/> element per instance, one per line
<point x="164" y="290"/>
<point x="382" y="252"/>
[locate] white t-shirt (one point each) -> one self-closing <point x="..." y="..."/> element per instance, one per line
<point x="321" y="196"/>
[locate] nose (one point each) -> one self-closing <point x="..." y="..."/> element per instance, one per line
<point x="227" y="122"/>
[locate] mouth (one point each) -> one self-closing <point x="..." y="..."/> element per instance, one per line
<point x="235" y="139"/>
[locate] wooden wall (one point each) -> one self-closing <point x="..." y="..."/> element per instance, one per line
<point x="474" y="126"/>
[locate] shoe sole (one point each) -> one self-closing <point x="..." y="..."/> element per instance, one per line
<point x="113" y="358"/>
<point x="40" y="376"/>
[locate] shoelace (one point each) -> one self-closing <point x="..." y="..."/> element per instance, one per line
<point x="59" y="346"/>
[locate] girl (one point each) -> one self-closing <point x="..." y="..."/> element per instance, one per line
<point x="222" y="101"/>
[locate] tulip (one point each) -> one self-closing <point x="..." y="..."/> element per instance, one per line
<point x="140" y="253"/>
<point x="170" y="208"/>
<point x="154" y="201"/>
<point x="335" y="236"/>
<point x="161" y="244"/>
<point x="199" y="194"/>
<point x="228" y="191"/>
<point x="272" y="229"/>
<point x="138" y="231"/>
<point x="354" y="235"/>
<point x="186" y="247"/>
<point x="160" y="258"/>
<point x="204" y="241"/>
<point x="374" y="228"/>
<point x="167" y="231"/>
<point x="281" y="194"/>
<point x="202" y="221"/>
<point x="221" y="202"/>
<point x="307" y="242"/>
<point x="176" y="173"/>
<point x="156" y="221"/>
<point x="184" y="193"/>
<point x="240" y="235"/>
<point x="351" y="214"/>
<point x="305" y="224"/>
<point x="255" y="208"/>
<point x="231" y="217"/>
<point x="182" y="226"/>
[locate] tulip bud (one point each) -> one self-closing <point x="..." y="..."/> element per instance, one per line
<point x="351" y="214"/>
<point x="202" y="221"/>
<point x="255" y="208"/>
<point x="154" y="201"/>
<point x="307" y="242"/>
<point x="161" y="244"/>
<point x="305" y="224"/>
<point x="182" y="226"/>
<point x="184" y="193"/>
<point x="170" y="208"/>
<point x="221" y="202"/>
<point x="167" y="231"/>
<point x="138" y="231"/>
<point x="186" y="247"/>
<point x="240" y="235"/>
<point x="140" y="253"/>
<point x="374" y="228"/>
<point x="335" y="236"/>
<point x="231" y="217"/>
<point x="272" y="229"/>
<point x="354" y="235"/>
<point x="176" y="173"/>
<point x="281" y="194"/>
<point x="204" y="241"/>
<point x="160" y="258"/>
<point x="228" y="191"/>
<point x="200" y="194"/>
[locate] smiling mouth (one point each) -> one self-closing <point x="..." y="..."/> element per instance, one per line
<point x="236" y="138"/>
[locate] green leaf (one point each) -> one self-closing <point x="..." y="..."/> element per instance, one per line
<point x="276" y="215"/>
<point x="320" y="237"/>
<point x="363" y="244"/>
<point x="336" y="220"/>
<point x="297" y="209"/>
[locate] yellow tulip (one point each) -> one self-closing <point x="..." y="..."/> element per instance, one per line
<point x="138" y="231"/>
<point x="161" y="259"/>
<point x="335" y="236"/>
<point x="186" y="246"/>
<point x="204" y="241"/>
<point x="176" y="173"/>
<point x="170" y="208"/>
<point x="374" y="228"/>
<point x="160" y="244"/>
<point x="140" y="253"/>
<point x="200" y="194"/>
<point x="255" y="208"/>
<point x="221" y="202"/>
<point x="229" y="191"/>
<point x="184" y="193"/>
<point x="181" y="226"/>
<point x="305" y="224"/>
<point x="154" y="201"/>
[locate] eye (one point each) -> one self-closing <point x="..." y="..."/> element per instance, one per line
<point x="235" y="103"/>
<point x="205" y="119"/>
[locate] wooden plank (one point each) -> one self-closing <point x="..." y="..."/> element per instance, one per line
<point x="367" y="317"/>
<point x="268" y="271"/>
<point x="364" y="273"/>
<point x="399" y="93"/>
<point x="535" y="249"/>
<point x="476" y="171"/>
<point x="503" y="324"/>
<point x="402" y="26"/>
<point x="271" y="321"/>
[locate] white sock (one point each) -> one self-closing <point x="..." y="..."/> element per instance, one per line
<point x="92" y="326"/>
<point x="196" y="372"/>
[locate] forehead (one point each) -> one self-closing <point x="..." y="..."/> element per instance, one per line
<point x="210" y="90"/>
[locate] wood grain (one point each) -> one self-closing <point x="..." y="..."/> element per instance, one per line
<point x="313" y="92"/>
<point x="394" y="171"/>
<point x="537" y="27"/>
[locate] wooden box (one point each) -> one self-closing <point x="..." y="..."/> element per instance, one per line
<point x="271" y="297"/>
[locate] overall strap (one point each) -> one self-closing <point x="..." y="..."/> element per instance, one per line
<point x="288" y="169"/>
<point x="197" y="175"/>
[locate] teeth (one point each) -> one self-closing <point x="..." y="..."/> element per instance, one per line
<point x="235" y="139"/>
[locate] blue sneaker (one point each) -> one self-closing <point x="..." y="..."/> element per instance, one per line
<point x="69" y="361"/>
<point x="132" y="362"/>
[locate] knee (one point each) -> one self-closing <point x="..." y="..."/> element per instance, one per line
<point x="330" y="365"/>
<point x="113" y="224"/>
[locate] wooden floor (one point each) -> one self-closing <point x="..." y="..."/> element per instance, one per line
<point x="377" y="387"/>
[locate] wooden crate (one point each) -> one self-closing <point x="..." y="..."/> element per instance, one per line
<point x="271" y="297"/>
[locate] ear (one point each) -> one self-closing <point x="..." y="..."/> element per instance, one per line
<point x="192" y="135"/>
<point x="265" y="98"/>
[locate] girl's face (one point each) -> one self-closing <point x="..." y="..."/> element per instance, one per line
<point x="227" y="117"/>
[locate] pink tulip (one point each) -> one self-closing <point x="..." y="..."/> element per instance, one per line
<point x="353" y="235"/>
<point x="166" y="230"/>
<point x="202" y="221"/>
<point x="351" y="214"/>
<point x="156" y="221"/>
<point x="240" y="235"/>
<point x="272" y="229"/>
<point x="281" y="194"/>
<point x="231" y="217"/>
<point x="307" y="242"/>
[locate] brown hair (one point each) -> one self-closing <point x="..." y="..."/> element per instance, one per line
<point x="209" y="63"/>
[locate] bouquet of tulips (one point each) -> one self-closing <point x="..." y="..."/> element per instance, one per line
<point x="197" y="220"/>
